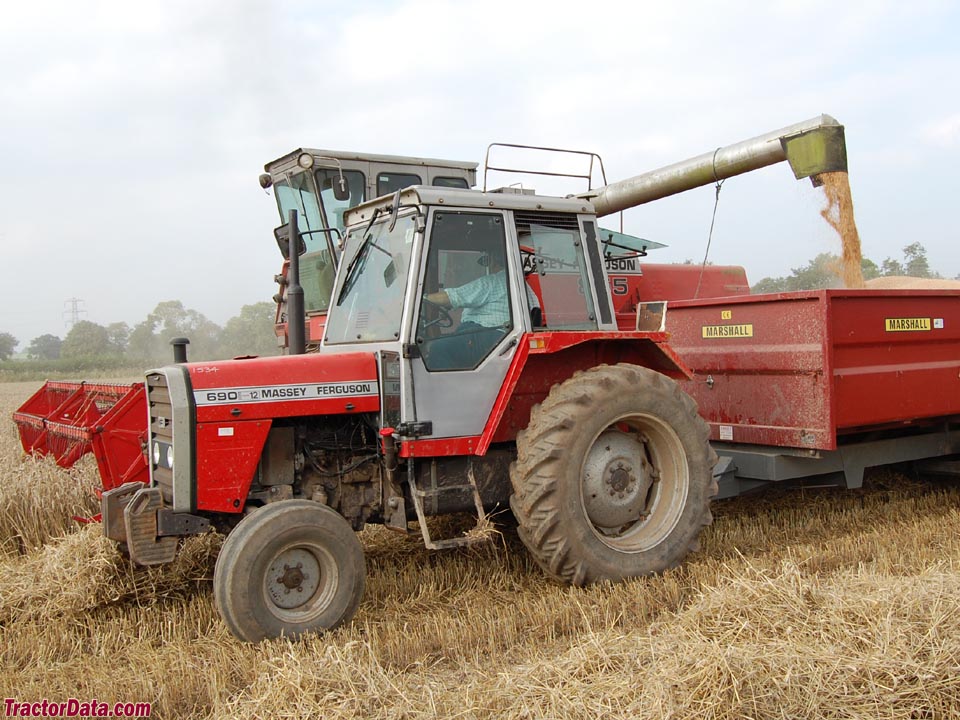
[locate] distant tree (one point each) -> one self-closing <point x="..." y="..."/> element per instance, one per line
<point x="118" y="334"/>
<point x="770" y="285"/>
<point x="251" y="332"/>
<point x="915" y="261"/>
<point x="85" y="340"/>
<point x="150" y="339"/>
<point x="892" y="267"/>
<point x="142" y="343"/>
<point x="45" y="347"/>
<point x="8" y="344"/>
<point x="823" y="271"/>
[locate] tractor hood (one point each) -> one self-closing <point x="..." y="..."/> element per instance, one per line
<point x="286" y="386"/>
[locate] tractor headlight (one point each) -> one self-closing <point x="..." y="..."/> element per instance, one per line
<point x="156" y="453"/>
<point x="170" y="457"/>
<point x="305" y="161"/>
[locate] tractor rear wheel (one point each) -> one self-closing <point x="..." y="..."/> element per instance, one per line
<point x="289" y="568"/>
<point x="614" y="476"/>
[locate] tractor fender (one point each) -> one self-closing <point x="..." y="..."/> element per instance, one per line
<point x="546" y="359"/>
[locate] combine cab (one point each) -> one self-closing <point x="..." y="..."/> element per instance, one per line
<point x="322" y="185"/>
<point x="67" y="420"/>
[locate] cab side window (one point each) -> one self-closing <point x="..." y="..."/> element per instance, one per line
<point x="465" y="310"/>
<point x="555" y="270"/>
<point x="388" y="183"/>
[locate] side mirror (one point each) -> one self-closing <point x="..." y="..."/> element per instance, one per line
<point x="394" y="211"/>
<point x="282" y="235"/>
<point x="341" y="191"/>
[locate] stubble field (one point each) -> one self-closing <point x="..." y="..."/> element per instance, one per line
<point x="821" y="604"/>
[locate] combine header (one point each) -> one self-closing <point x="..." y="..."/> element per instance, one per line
<point x="67" y="420"/>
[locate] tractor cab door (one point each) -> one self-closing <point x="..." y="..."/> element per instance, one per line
<point x="468" y="317"/>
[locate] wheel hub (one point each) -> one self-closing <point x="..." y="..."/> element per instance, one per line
<point x="620" y="479"/>
<point x="292" y="578"/>
<point x="616" y="480"/>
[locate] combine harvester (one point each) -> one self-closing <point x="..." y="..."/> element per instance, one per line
<point x="578" y="406"/>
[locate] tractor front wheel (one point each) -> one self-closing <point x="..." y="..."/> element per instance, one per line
<point x="614" y="476"/>
<point x="289" y="568"/>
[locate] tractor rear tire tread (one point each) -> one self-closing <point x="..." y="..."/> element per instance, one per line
<point x="560" y="541"/>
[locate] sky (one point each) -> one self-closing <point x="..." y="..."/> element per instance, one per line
<point x="135" y="132"/>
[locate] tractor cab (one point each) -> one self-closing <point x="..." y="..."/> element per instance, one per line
<point x="322" y="185"/>
<point x="447" y="283"/>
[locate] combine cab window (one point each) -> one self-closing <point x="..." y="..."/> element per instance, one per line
<point x="336" y="208"/>
<point x="317" y="266"/>
<point x="296" y="194"/>
<point x="317" y="272"/>
<point x="391" y="182"/>
<point x="451" y="182"/>
<point x="466" y="310"/>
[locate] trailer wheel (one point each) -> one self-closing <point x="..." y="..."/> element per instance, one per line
<point x="613" y="477"/>
<point x="289" y="568"/>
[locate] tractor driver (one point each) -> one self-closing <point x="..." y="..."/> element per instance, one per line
<point x="484" y="321"/>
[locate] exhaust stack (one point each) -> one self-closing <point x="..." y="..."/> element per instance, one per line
<point x="296" y="314"/>
<point x="811" y="147"/>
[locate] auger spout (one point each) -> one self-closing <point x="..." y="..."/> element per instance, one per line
<point x="811" y="147"/>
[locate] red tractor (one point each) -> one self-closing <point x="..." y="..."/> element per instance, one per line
<point x="478" y="353"/>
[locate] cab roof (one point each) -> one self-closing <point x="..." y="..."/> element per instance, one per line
<point x="456" y="197"/>
<point x="291" y="159"/>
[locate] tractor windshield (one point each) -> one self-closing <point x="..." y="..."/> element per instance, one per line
<point x="368" y="300"/>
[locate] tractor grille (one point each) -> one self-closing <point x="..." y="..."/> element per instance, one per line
<point x="160" y="410"/>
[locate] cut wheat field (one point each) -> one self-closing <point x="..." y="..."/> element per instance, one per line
<point x="821" y="604"/>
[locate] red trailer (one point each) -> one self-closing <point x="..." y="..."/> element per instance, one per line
<point x="817" y="383"/>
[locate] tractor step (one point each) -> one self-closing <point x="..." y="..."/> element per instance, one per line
<point x="436" y="492"/>
<point x="419" y="495"/>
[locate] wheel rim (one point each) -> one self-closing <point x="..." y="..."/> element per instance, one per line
<point x="300" y="582"/>
<point x="634" y="483"/>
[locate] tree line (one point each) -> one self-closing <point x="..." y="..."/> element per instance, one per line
<point x="824" y="271"/>
<point x="91" y="344"/>
<point x="251" y="332"/>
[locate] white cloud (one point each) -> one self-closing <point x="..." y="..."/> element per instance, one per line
<point x="944" y="132"/>
<point x="138" y="129"/>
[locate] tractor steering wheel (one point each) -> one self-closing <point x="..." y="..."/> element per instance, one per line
<point x="444" y="319"/>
